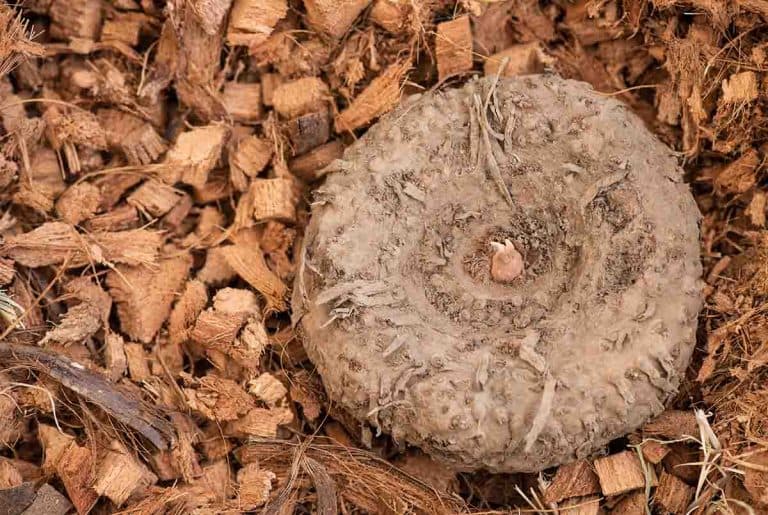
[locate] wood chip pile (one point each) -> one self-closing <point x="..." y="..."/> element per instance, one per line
<point x="156" y="168"/>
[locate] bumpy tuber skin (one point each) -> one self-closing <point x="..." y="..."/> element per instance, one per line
<point x="506" y="275"/>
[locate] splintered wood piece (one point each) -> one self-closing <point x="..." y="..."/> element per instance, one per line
<point x="254" y="485"/>
<point x="309" y="167"/>
<point x="268" y="389"/>
<point x="242" y="101"/>
<point x="120" y="474"/>
<point x="7" y="271"/>
<point x="123" y="27"/>
<point x="269" y="83"/>
<point x="251" y="156"/>
<point x="252" y="21"/>
<point x="756" y="209"/>
<point x="273" y="199"/>
<point x="572" y="480"/>
<point x="380" y="96"/>
<point x="219" y="399"/>
<point x="138" y="367"/>
<point x="54" y="243"/>
<point x="121" y="218"/>
<point x="673" y="424"/>
<point x="75" y="19"/>
<point x="80" y="202"/>
<point x="54" y="444"/>
<point x="76" y="470"/>
<point x="174" y="220"/>
<point x="78" y="324"/>
<point x="216" y="329"/>
<point x="672" y="494"/>
<point x="144" y="296"/>
<point x="523" y="59"/>
<point x="187" y="309"/>
<point x="217" y="188"/>
<point x="739" y="176"/>
<point x="154" y="198"/>
<point x="301" y="96"/>
<point x="309" y="131"/>
<point x="259" y="422"/>
<point x="580" y="506"/>
<point x="332" y="17"/>
<point x="453" y="47"/>
<point x="48" y="502"/>
<point x="216" y="271"/>
<point x="143" y="145"/>
<point x="391" y="15"/>
<point x="113" y="186"/>
<point x="114" y="356"/>
<point x="653" y="451"/>
<point x="620" y="473"/>
<point x="194" y="155"/>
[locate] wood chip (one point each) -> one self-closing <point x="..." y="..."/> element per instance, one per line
<point x="391" y="15"/>
<point x="619" y="473"/>
<point x="7" y="271"/>
<point x="250" y="157"/>
<point x="308" y="131"/>
<point x="739" y="176"/>
<point x="653" y="451"/>
<point x="380" y="96"/>
<point x="259" y="422"/>
<point x="219" y="399"/>
<point x="138" y="366"/>
<point x="572" y="480"/>
<point x="187" y="309"/>
<point x="756" y="209"/>
<point x="115" y="359"/>
<point x="194" y="155"/>
<point x="242" y="101"/>
<point x="78" y="324"/>
<point x="332" y="17"/>
<point x="120" y="474"/>
<point x="310" y="166"/>
<point x="269" y="83"/>
<point x="268" y="389"/>
<point x="76" y="468"/>
<point x="216" y="271"/>
<point x="252" y="21"/>
<point x="144" y="296"/>
<point x="123" y="27"/>
<point x="236" y="300"/>
<point x="79" y="203"/>
<point x="254" y="486"/>
<point x="673" y="424"/>
<point x="246" y="259"/>
<point x="740" y="87"/>
<point x="672" y="494"/>
<point x="73" y="19"/>
<point x="301" y="96"/>
<point x="524" y="59"/>
<point x="681" y="461"/>
<point x="273" y="199"/>
<point x="216" y="329"/>
<point x="121" y="218"/>
<point x="154" y="198"/>
<point x="453" y="47"/>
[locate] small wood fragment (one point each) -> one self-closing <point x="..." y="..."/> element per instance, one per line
<point x="683" y="461"/>
<point x="273" y="199"/>
<point x="144" y="296"/>
<point x="332" y="17"/>
<point x="250" y="157"/>
<point x="254" y="486"/>
<point x="75" y="19"/>
<point x="738" y="176"/>
<point x="115" y="359"/>
<point x="217" y="398"/>
<point x="308" y="131"/>
<point x="453" y="47"/>
<point x="78" y="324"/>
<point x="672" y="494"/>
<point x="194" y="155"/>
<point x="259" y="422"/>
<point x="268" y="389"/>
<point x="673" y="424"/>
<point x="380" y="96"/>
<point x="523" y="59"/>
<point x="309" y="167"/>
<point x="252" y="21"/>
<point x="143" y="145"/>
<point x="80" y="202"/>
<point x="301" y="96"/>
<point x="572" y="480"/>
<point x="217" y="188"/>
<point x="755" y="211"/>
<point x="653" y="451"/>
<point x="121" y="218"/>
<point x="154" y="198"/>
<point x="216" y="329"/>
<point x="7" y="271"/>
<point x="136" y="357"/>
<point x="187" y="309"/>
<point x="620" y="473"/>
<point x="120" y="474"/>
<point x="123" y="27"/>
<point x="242" y="101"/>
<point x="391" y="15"/>
<point x="269" y="83"/>
<point x="76" y="468"/>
